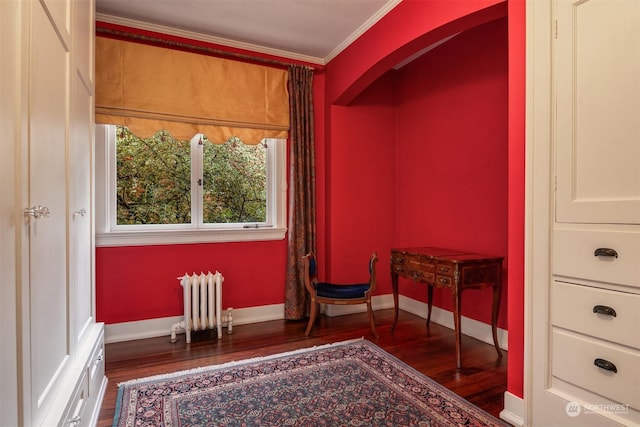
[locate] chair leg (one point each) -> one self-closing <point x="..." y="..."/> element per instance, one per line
<point x="312" y="317"/>
<point x="372" y="320"/>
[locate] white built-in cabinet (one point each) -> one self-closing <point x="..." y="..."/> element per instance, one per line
<point x="584" y="213"/>
<point x="52" y="353"/>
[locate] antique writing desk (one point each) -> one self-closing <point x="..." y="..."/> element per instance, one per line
<point x="456" y="270"/>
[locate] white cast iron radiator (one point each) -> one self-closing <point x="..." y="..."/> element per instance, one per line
<point x="202" y="305"/>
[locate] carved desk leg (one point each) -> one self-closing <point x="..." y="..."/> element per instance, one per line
<point x="456" y="292"/>
<point x="394" y="288"/>
<point x="429" y="302"/>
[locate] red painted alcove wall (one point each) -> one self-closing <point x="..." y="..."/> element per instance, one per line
<point x="355" y="83"/>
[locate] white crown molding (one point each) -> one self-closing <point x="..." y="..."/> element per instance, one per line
<point x="363" y="29"/>
<point x="109" y="19"/>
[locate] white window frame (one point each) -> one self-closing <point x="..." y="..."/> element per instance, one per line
<point x="108" y="233"/>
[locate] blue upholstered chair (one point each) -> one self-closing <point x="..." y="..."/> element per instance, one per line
<point x="342" y="294"/>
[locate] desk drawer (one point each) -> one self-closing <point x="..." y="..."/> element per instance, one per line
<point x="445" y="281"/>
<point x="413" y="267"/>
<point x="574" y="359"/>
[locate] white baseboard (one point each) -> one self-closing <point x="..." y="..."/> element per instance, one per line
<point x="128" y="331"/>
<point x="470" y="327"/>
<point x="514" y="410"/>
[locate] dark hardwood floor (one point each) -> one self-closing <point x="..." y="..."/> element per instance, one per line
<point x="482" y="379"/>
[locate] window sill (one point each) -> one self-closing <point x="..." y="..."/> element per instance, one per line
<point x="144" y="238"/>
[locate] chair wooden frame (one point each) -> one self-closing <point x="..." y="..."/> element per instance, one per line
<point x="311" y="282"/>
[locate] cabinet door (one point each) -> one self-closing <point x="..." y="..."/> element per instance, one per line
<point x="81" y="171"/>
<point x="80" y="227"/>
<point x="48" y="352"/>
<point x="597" y="85"/>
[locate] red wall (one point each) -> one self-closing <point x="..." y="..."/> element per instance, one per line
<point x="360" y="178"/>
<point x="140" y="282"/>
<point x="517" y="84"/>
<point x="452" y="155"/>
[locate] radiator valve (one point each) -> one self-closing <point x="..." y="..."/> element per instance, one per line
<point x="228" y="320"/>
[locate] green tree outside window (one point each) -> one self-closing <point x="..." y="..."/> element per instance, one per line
<point x="154" y="180"/>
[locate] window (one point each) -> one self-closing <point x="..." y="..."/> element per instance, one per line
<point x="160" y="190"/>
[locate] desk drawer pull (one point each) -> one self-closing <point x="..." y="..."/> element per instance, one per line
<point x="603" y="309"/>
<point x="606" y="365"/>
<point x="444" y="281"/>
<point x="608" y="252"/>
<point x="444" y="269"/>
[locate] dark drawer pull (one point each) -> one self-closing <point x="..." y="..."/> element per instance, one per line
<point x="603" y="309"/>
<point x="606" y="365"/>
<point x="605" y="252"/>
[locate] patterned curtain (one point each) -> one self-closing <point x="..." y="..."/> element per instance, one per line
<point x="302" y="189"/>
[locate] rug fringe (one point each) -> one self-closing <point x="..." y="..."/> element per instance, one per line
<point x="237" y="362"/>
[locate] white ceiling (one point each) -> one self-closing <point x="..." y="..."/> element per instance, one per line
<point x="308" y="30"/>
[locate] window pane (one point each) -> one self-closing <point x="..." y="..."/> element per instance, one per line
<point x="154" y="179"/>
<point x="235" y="182"/>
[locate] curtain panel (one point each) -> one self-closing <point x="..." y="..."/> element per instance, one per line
<point x="148" y="88"/>
<point x="302" y="190"/>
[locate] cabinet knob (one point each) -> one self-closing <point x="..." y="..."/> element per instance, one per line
<point x="37" y="212"/>
<point x="81" y="212"/>
<point x="608" y="252"/>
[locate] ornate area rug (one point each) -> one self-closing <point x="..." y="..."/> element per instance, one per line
<point x="351" y="383"/>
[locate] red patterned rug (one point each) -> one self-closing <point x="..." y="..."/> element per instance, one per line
<point x="351" y="383"/>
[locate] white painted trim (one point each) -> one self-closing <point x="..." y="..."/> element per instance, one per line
<point x="514" y="410"/>
<point x="140" y="329"/>
<point x="538" y="168"/>
<point x="360" y="31"/>
<point x="473" y="328"/>
<point x="249" y="46"/>
<point x="127" y="331"/>
<point x="470" y="327"/>
<point x="110" y="19"/>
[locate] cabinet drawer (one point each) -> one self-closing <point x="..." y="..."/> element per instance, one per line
<point x="573" y="360"/>
<point x="96" y="382"/>
<point x="95" y="369"/>
<point x="584" y="309"/>
<point x="77" y="405"/>
<point x="574" y="255"/>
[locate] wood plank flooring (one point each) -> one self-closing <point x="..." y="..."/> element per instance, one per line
<point x="482" y="379"/>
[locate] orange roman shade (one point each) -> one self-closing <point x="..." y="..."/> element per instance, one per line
<point x="148" y="88"/>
